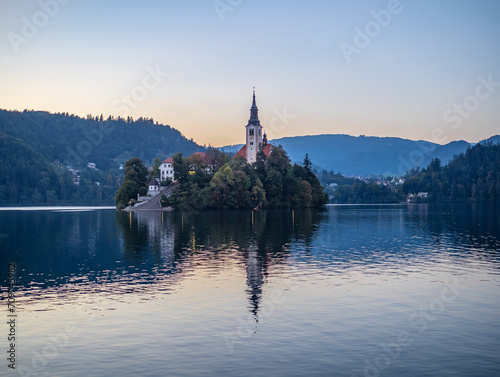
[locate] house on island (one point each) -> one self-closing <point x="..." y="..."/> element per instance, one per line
<point x="255" y="138"/>
<point x="200" y="159"/>
<point x="167" y="170"/>
<point x="154" y="187"/>
<point x="167" y="167"/>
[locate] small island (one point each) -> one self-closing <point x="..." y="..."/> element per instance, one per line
<point x="259" y="176"/>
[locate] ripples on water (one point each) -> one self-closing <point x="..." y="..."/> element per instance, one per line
<point x="282" y="293"/>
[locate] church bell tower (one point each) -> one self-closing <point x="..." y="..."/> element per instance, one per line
<point x="253" y="132"/>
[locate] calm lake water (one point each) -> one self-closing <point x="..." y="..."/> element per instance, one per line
<point x="403" y="290"/>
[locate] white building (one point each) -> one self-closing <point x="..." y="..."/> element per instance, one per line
<point x="154" y="187"/>
<point x="167" y="170"/>
<point x="255" y="139"/>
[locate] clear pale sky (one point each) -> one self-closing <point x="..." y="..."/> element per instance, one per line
<point x="81" y="57"/>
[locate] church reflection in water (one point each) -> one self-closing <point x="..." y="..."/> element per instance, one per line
<point x="258" y="238"/>
<point x="71" y="254"/>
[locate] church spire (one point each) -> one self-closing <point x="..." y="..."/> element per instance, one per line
<point x="254" y="111"/>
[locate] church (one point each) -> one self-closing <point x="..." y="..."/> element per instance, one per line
<point x="255" y="138"/>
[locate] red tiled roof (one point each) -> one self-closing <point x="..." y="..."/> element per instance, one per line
<point x="242" y="152"/>
<point x="267" y="150"/>
<point x="169" y="161"/>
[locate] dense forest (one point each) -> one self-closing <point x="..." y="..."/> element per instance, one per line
<point x="367" y="193"/>
<point x="473" y="176"/>
<point x="220" y="182"/>
<point x="349" y="190"/>
<point x="38" y="148"/>
<point x="41" y="154"/>
<point x="272" y="182"/>
<point x="28" y="178"/>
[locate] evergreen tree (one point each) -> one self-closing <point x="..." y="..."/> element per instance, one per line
<point x="307" y="163"/>
<point x="472" y="176"/>
<point x="238" y="184"/>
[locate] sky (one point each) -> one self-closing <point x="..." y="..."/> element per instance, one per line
<point x="416" y="69"/>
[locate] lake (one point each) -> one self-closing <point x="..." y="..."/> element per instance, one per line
<point x="389" y="290"/>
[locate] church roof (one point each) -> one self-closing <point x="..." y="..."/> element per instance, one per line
<point x="254" y="112"/>
<point x="169" y="161"/>
<point x="154" y="182"/>
<point x="267" y="150"/>
<point x="243" y="151"/>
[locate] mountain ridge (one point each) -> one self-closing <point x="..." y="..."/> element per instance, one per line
<point x="367" y="155"/>
<point x="45" y="157"/>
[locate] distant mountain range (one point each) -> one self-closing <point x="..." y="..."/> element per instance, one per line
<point x="367" y="155"/>
<point x="36" y="147"/>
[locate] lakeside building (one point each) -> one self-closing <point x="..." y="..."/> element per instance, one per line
<point x="255" y="138"/>
<point x="167" y="170"/>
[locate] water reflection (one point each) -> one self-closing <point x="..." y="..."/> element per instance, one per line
<point x="475" y="228"/>
<point x="257" y="238"/>
<point x="183" y="289"/>
<point x="63" y="254"/>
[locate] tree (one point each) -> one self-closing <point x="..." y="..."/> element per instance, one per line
<point x="135" y="182"/>
<point x="125" y="193"/>
<point x="241" y="189"/>
<point x="258" y="197"/>
<point x="468" y="177"/>
<point x="181" y="169"/>
<point x="435" y="165"/>
<point x="261" y="163"/>
<point x="238" y="184"/>
<point x="307" y="163"/>
<point x="274" y="187"/>
<point x="221" y="187"/>
<point x="279" y="160"/>
<point x="215" y="159"/>
<point x="155" y="171"/>
<point x="135" y="171"/>
<point x="305" y="194"/>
